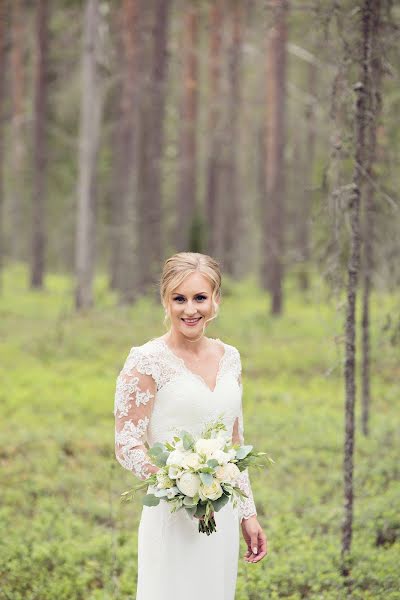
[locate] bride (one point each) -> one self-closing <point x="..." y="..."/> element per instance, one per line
<point x="182" y="380"/>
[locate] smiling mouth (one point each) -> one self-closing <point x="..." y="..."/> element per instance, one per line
<point x="191" y="321"/>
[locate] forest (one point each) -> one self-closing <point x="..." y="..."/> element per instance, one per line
<point x="264" y="133"/>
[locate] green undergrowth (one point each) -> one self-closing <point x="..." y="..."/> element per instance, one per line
<point x="64" y="535"/>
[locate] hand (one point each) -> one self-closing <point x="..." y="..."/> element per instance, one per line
<point x="255" y="539"/>
<point x="151" y="469"/>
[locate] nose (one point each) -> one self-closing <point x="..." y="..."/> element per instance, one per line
<point x="190" y="310"/>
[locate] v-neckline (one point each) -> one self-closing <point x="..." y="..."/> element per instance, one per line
<point x="197" y="375"/>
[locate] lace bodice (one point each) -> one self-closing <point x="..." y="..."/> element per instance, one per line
<point x="157" y="396"/>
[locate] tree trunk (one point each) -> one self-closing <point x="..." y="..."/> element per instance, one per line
<point x="114" y="203"/>
<point x="3" y="15"/>
<point x="273" y="247"/>
<point x="213" y="199"/>
<point x="143" y="145"/>
<point x="88" y="151"/>
<point x="125" y="213"/>
<point x="233" y="205"/>
<point x="150" y="231"/>
<point x="374" y="98"/>
<point x="362" y="92"/>
<point x="18" y="250"/>
<point x="188" y="151"/>
<point x="305" y="199"/>
<point x="40" y="146"/>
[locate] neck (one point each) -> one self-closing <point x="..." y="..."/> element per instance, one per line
<point x="178" y="340"/>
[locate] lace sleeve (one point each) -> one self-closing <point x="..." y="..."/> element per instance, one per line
<point x="134" y="400"/>
<point x="247" y="507"/>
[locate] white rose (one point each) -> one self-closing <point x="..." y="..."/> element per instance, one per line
<point x="174" y="472"/>
<point x="228" y="473"/>
<point x="176" y="458"/>
<point x="189" y="484"/>
<point x="192" y="461"/>
<point x="211" y="492"/>
<point x="221" y="441"/>
<point x="221" y="457"/>
<point x="207" y="447"/>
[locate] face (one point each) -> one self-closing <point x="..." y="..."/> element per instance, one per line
<point x="191" y="305"/>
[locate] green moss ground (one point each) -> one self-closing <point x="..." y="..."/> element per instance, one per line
<point x="64" y="535"/>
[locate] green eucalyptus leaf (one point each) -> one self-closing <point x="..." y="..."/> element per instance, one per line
<point x="220" y="502"/>
<point x="206" y="478"/>
<point x="161" y="459"/>
<point x="188" y="440"/>
<point x="200" y="510"/>
<point x="150" y="500"/>
<point x="243" y="451"/>
<point x="157" y="448"/>
<point x="187" y="501"/>
<point x="190" y="510"/>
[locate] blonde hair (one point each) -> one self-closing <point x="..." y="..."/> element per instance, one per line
<point x="182" y="264"/>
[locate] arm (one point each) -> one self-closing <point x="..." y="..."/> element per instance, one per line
<point x="247" y="506"/>
<point x="252" y="531"/>
<point x="134" y="400"/>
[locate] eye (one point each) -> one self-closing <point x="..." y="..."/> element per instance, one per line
<point x="201" y="297"/>
<point x="178" y="298"/>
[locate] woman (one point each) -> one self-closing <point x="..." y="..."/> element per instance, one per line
<point x="182" y="380"/>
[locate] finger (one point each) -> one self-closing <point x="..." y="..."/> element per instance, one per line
<point x="254" y="543"/>
<point x="256" y="547"/>
<point x="259" y="556"/>
<point x="251" y="558"/>
<point x="249" y="554"/>
<point x="262" y="547"/>
<point x="262" y="543"/>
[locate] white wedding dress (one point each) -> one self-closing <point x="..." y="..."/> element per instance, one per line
<point x="156" y="397"/>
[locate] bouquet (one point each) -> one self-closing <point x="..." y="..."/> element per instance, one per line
<point x="199" y="475"/>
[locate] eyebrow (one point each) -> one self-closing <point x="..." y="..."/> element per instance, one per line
<point x="196" y="294"/>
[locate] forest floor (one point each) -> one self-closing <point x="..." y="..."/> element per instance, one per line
<point x="65" y="535"/>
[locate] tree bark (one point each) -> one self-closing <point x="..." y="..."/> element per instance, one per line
<point x="40" y="146"/>
<point x="305" y="200"/>
<point x="3" y="14"/>
<point x="143" y="145"/>
<point x="273" y="235"/>
<point x="213" y="198"/>
<point x="18" y="250"/>
<point x="114" y="204"/>
<point x="150" y="230"/>
<point x="361" y="89"/>
<point x="233" y="206"/>
<point x="91" y="105"/>
<point x="188" y="150"/>
<point x="374" y="102"/>
<point x="123" y="257"/>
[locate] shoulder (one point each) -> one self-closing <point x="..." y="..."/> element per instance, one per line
<point x="144" y="358"/>
<point x="230" y="350"/>
<point x="231" y="359"/>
